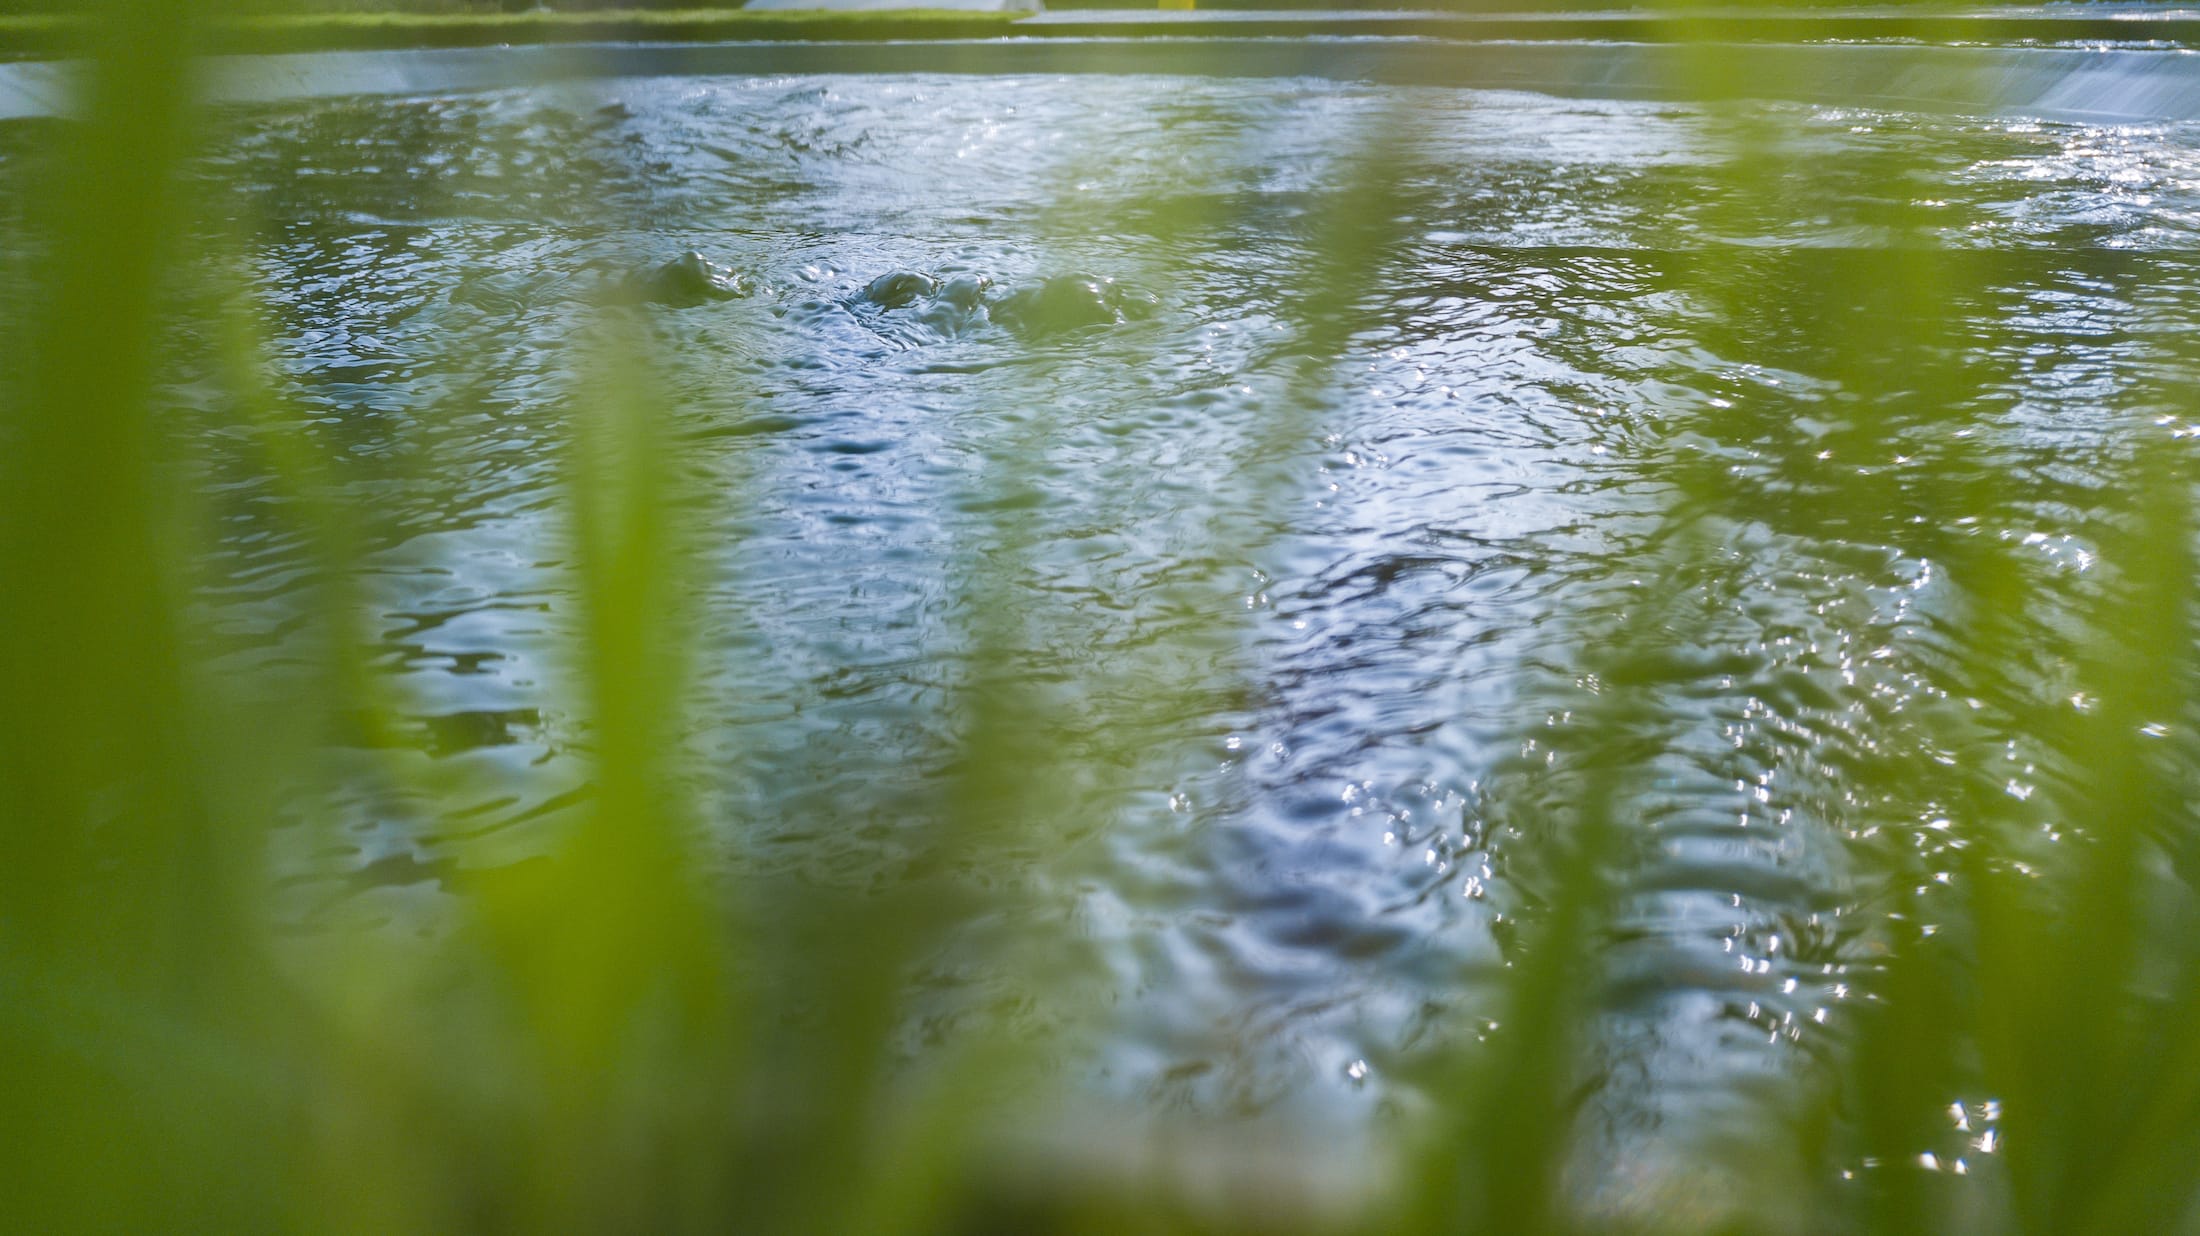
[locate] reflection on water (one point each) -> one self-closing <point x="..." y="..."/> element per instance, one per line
<point x="1319" y="674"/>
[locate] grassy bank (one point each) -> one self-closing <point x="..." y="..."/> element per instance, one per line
<point x="28" y="36"/>
<point x="31" y="36"/>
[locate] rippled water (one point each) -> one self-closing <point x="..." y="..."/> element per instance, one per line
<point x="1314" y="638"/>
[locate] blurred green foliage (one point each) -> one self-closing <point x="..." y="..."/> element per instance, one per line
<point x="607" y="1042"/>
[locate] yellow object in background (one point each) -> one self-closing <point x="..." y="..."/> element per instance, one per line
<point x="1176" y="4"/>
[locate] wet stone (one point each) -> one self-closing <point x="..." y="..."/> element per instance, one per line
<point x="899" y="289"/>
<point x="964" y="292"/>
<point x="687" y="281"/>
<point x="959" y="306"/>
<point x="1067" y="303"/>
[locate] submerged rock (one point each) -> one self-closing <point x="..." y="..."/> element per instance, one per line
<point x="686" y="281"/>
<point x="906" y="301"/>
<point x="964" y="292"/>
<point x="1066" y="303"/>
<point x="899" y="289"/>
<point x="900" y="301"/>
<point x="959" y="305"/>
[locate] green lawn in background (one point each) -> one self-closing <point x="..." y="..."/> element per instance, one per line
<point x="39" y="35"/>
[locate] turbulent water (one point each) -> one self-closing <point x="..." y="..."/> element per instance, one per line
<point x="1331" y="545"/>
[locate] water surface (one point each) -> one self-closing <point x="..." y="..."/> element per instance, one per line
<point x="1316" y="573"/>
